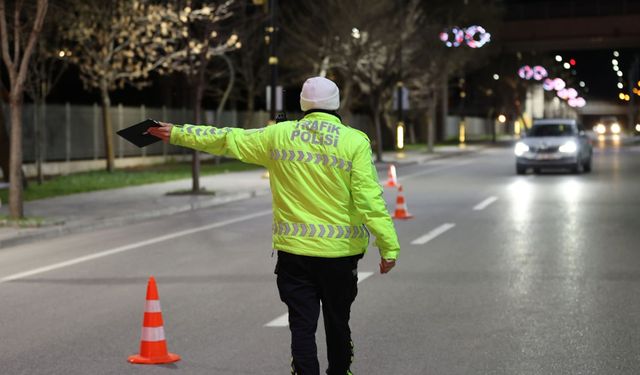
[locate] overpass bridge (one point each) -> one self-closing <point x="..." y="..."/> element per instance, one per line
<point x="545" y="25"/>
<point x="572" y="25"/>
<point x="601" y="108"/>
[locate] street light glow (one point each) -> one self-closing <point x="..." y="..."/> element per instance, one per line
<point x="619" y="73"/>
<point x="497" y="77"/>
<point x="566" y="65"/>
<point x="614" y="62"/>
<point x="558" y="58"/>
<point x="400" y="136"/>
<point x="620" y="85"/>
<point x="582" y="84"/>
<point x="502" y="119"/>
<point x="616" y="53"/>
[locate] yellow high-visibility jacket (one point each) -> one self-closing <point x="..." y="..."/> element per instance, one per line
<point x="325" y="187"/>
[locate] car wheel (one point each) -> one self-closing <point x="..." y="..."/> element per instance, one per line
<point x="577" y="168"/>
<point x="521" y="169"/>
<point x="536" y="170"/>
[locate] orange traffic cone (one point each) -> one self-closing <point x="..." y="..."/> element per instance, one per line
<point x="153" y="345"/>
<point x="392" y="180"/>
<point x="401" y="207"/>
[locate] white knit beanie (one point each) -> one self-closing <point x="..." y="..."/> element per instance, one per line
<point x="319" y="93"/>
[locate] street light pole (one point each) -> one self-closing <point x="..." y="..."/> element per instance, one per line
<point x="273" y="59"/>
<point x="400" y="131"/>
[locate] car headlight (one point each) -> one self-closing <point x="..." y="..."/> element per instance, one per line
<point x="521" y="148"/>
<point x="569" y="147"/>
<point x="600" y="129"/>
<point x="615" y="128"/>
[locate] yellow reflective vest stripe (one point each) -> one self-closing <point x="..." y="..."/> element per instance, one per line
<point x="323" y="182"/>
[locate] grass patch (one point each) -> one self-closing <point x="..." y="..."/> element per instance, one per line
<point x="102" y="180"/>
<point x="26" y="222"/>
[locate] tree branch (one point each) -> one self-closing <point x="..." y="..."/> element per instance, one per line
<point x="33" y="39"/>
<point x="5" y="41"/>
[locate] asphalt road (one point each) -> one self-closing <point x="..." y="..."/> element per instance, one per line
<point x="499" y="274"/>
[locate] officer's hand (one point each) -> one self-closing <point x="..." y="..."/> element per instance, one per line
<point x="386" y="265"/>
<point x="163" y="131"/>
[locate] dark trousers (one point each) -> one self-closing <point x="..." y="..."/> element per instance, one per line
<point x="304" y="282"/>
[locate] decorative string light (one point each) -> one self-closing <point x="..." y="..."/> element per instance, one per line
<point x="473" y="36"/>
<point x="537" y="72"/>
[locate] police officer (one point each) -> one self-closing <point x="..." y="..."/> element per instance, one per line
<point x="326" y="202"/>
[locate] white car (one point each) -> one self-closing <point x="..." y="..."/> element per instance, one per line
<point x="554" y="143"/>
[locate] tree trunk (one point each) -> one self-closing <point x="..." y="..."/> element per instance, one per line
<point x="39" y="121"/>
<point x="431" y="131"/>
<point x="15" y="168"/>
<point x="346" y="102"/>
<point x="445" y="104"/>
<point x="107" y="126"/>
<point x="16" y="68"/>
<point x="227" y="91"/>
<point x="195" y="156"/>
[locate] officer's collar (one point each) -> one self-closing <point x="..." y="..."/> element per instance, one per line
<point x="323" y="111"/>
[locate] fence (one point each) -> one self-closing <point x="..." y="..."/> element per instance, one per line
<point x="74" y="132"/>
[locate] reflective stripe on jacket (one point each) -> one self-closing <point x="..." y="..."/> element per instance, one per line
<point x="323" y="182"/>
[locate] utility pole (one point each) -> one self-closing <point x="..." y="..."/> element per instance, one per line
<point x="401" y="128"/>
<point x="273" y="59"/>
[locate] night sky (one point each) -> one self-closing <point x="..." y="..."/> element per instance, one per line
<point x="594" y="67"/>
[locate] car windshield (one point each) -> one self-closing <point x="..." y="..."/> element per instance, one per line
<point x="551" y="130"/>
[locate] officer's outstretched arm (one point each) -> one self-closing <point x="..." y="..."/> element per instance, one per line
<point x="249" y="146"/>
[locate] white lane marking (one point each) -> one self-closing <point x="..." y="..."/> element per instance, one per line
<point x="433" y="234"/>
<point x="429" y="171"/>
<point x="482" y="205"/>
<point x="283" y="320"/>
<point x="132" y="246"/>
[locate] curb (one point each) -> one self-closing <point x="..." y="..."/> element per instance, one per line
<point x="85" y="226"/>
<point x="428" y="157"/>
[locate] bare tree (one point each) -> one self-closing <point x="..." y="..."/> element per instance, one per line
<point x="17" y="64"/>
<point x="370" y="47"/>
<point x="351" y="43"/>
<point x="47" y="65"/>
<point x="119" y="43"/>
<point x="251" y="60"/>
<point x="197" y="39"/>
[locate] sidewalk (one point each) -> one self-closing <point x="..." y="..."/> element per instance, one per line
<point x="116" y="207"/>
